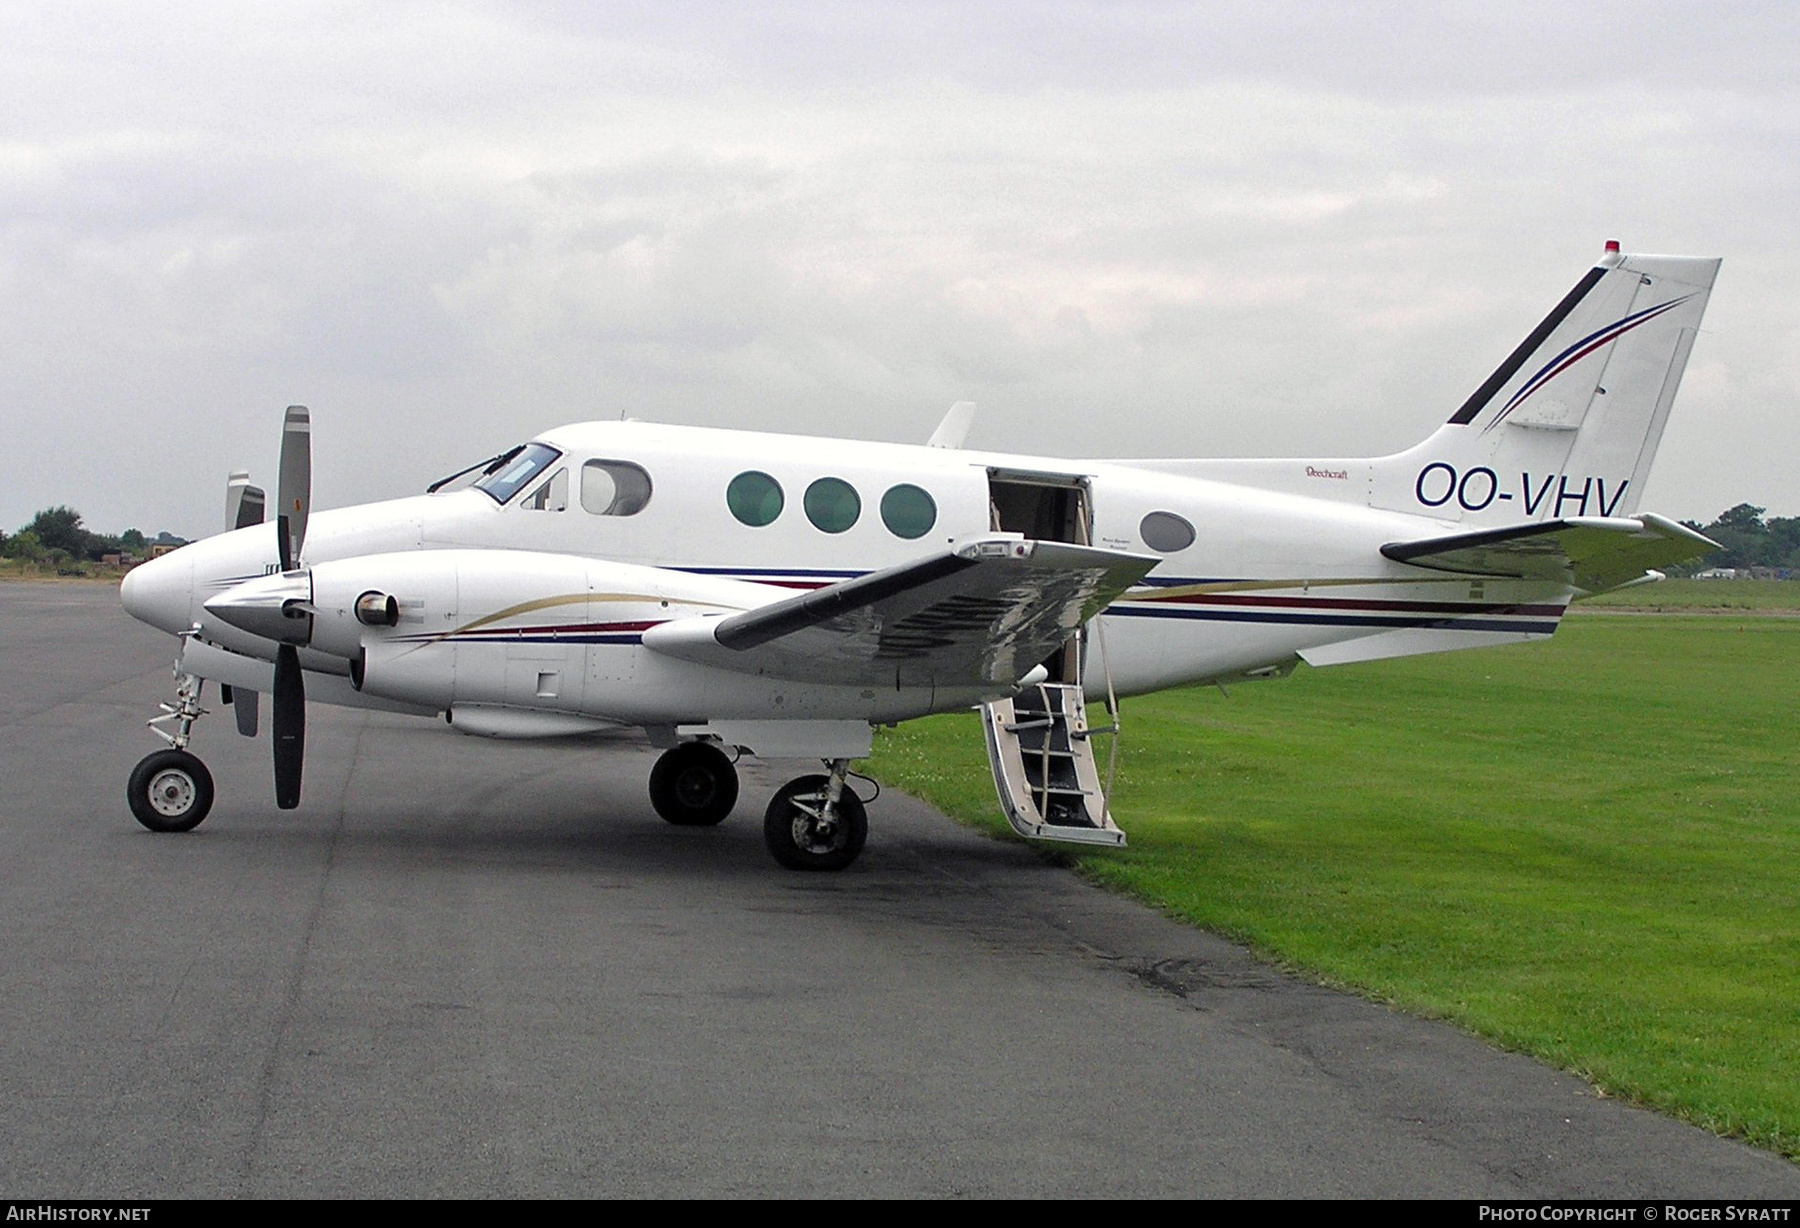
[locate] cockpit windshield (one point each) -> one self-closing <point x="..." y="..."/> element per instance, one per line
<point x="510" y="472"/>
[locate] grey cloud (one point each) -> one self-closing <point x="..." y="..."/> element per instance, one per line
<point x="1226" y="229"/>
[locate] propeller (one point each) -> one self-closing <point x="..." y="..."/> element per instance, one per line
<point x="293" y="492"/>
<point x="278" y="607"/>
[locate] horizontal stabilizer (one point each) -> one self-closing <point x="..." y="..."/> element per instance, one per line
<point x="1591" y="553"/>
<point x="981" y="615"/>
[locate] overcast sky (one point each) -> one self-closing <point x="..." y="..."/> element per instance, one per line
<point x="1123" y="229"/>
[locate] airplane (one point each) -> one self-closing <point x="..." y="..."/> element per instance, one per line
<point x="732" y="592"/>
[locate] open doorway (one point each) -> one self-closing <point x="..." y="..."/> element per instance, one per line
<point x="1044" y="507"/>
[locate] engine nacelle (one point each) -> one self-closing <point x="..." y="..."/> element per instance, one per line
<point x="442" y="628"/>
<point x="382" y="598"/>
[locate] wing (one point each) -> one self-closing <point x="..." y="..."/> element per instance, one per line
<point x="983" y="614"/>
<point x="1588" y="552"/>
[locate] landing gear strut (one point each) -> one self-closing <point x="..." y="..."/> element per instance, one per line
<point x="816" y="823"/>
<point x="171" y="790"/>
<point x="694" y="785"/>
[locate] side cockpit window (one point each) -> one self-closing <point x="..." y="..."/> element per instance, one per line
<point x="551" y="495"/>
<point x="509" y="475"/>
<point x="614" y="488"/>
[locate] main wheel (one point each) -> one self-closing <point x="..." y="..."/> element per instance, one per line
<point x="170" y="791"/>
<point x="800" y="839"/>
<point x="694" y="785"/>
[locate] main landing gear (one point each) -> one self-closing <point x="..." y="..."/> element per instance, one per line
<point x="816" y="822"/>
<point x="813" y="823"/>
<point x="694" y="785"/>
<point x="171" y="790"/>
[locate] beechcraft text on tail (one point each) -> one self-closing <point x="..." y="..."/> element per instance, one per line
<point x="734" y="593"/>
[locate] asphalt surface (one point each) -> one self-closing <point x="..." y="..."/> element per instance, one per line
<point x="474" y="968"/>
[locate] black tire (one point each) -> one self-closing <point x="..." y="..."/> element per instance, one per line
<point x="170" y="791"/>
<point x="694" y="785"/>
<point x="791" y="828"/>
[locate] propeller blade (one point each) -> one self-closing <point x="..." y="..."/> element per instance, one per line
<point x="237" y="490"/>
<point x="243" y="707"/>
<point x="293" y="489"/>
<point x="289" y="713"/>
<point x="250" y="509"/>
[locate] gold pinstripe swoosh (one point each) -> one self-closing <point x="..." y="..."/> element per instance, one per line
<point x="567" y="599"/>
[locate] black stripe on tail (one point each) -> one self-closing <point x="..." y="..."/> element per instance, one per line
<point x="1527" y="348"/>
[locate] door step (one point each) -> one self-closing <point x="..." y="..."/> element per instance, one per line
<point x="1042" y="754"/>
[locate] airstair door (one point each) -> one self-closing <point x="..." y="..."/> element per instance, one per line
<point x="1040" y="745"/>
<point x="1041" y="749"/>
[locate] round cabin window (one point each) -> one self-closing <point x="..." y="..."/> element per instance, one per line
<point x="832" y="505"/>
<point x="1165" y="532"/>
<point x="754" y="498"/>
<point x="908" y="512"/>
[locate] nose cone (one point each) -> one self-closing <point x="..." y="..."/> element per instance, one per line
<point x="161" y="592"/>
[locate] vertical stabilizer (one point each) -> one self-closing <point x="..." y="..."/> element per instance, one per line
<point x="1569" y="423"/>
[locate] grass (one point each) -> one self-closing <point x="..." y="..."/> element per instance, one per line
<point x="1701" y="595"/>
<point x="20" y="569"/>
<point x="1588" y="849"/>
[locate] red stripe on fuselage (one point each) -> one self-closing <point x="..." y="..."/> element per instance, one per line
<point x="1369" y="605"/>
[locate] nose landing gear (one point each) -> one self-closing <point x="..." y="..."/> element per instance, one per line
<point x="171" y="790"/>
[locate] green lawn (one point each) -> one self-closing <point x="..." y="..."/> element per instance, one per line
<point x="1587" y="849"/>
<point x="1679" y="595"/>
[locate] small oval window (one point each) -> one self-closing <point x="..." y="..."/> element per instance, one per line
<point x="832" y="504"/>
<point x="908" y="512"/>
<point x="1165" y="532"/>
<point x="614" y="488"/>
<point x="754" y="498"/>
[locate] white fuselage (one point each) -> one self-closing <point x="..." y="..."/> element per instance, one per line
<point x="1251" y="578"/>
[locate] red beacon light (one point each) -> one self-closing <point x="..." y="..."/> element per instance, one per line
<point x="1612" y="247"/>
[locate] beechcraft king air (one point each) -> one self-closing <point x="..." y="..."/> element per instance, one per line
<point x="738" y="593"/>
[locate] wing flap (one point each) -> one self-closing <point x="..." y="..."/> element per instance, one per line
<point x="981" y="615"/>
<point x="1591" y="553"/>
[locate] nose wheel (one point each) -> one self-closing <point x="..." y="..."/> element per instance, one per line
<point x="170" y="790"/>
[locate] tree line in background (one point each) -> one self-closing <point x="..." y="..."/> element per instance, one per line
<point x="1747" y="540"/>
<point x="56" y="536"/>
